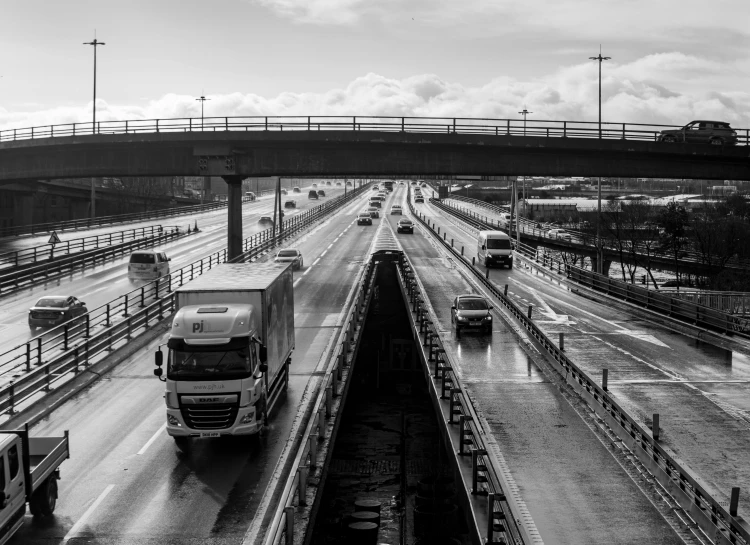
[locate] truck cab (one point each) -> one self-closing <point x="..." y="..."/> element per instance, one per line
<point x="493" y="248"/>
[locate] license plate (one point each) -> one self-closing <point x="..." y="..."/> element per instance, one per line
<point x="51" y="322"/>
<point x="210" y="434"/>
<point x="475" y="323"/>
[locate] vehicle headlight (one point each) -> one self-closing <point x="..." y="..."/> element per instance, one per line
<point x="488" y="317"/>
<point x="172" y="420"/>
<point x="249" y="417"/>
<point x="461" y="318"/>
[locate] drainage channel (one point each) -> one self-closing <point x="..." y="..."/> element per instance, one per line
<point x="389" y="478"/>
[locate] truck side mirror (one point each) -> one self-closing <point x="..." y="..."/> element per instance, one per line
<point x="263" y="353"/>
<point x="159" y="358"/>
<point x="158" y="372"/>
<point x="263" y="367"/>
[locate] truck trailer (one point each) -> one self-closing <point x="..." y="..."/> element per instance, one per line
<point x="229" y="350"/>
<point x="29" y="471"/>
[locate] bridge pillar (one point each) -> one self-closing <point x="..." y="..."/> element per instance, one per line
<point x="605" y="265"/>
<point x="234" y="216"/>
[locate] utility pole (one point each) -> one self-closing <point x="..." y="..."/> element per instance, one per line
<point x="95" y="43"/>
<point x="599" y="252"/>
<point x="524" y="112"/>
<point x="202" y="99"/>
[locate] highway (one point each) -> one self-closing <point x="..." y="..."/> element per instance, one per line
<point x="127" y="483"/>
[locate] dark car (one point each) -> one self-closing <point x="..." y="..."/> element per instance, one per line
<point x="418" y="199"/>
<point x="364" y="218"/>
<point x="471" y="312"/>
<point x="290" y="204"/>
<point x="717" y="133"/>
<point x="312" y="194"/>
<point x="53" y="310"/>
<point x="375" y="202"/>
<point x="405" y="226"/>
<point x="265" y="220"/>
<point x="321" y="193"/>
<point x="284" y="191"/>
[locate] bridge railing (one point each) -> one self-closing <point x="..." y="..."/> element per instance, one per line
<point x="434" y="125"/>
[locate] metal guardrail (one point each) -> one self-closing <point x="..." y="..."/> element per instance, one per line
<point x="90" y="223"/>
<point x="718" y="520"/>
<point x="673" y="307"/>
<point x="53" y="351"/>
<point x="498" y="520"/>
<point x="24" y="277"/>
<point x="432" y="125"/>
<point x="334" y="385"/>
<point x="731" y="302"/>
<point x="17" y="258"/>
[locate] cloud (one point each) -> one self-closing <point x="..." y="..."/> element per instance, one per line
<point x="629" y="95"/>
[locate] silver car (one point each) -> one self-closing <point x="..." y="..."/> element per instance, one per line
<point x="290" y="255"/>
<point x="471" y="312"/>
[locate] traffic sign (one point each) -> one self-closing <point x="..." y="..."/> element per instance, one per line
<point x="53" y="239"/>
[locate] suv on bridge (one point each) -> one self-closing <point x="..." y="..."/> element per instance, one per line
<point x="717" y="133"/>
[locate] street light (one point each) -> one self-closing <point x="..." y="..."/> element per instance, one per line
<point x="599" y="253"/>
<point x="525" y="112"/>
<point x="202" y="99"/>
<point x="95" y="43"/>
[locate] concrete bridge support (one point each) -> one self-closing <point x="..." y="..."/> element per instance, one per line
<point x="606" y="264"/>
<point x="234" y="215"/>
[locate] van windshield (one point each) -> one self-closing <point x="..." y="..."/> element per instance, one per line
<point x="498" y="244"/>
<point x="142" y="258"/>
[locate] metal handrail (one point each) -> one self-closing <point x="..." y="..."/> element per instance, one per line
<point x="712" y="515"/>
<point x="89" y="223"/>
<point x="34" y="353"/>
<point x="432" y="125"/>
<point x="51" y="251"/>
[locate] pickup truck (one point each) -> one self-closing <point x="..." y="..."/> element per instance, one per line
<point x="29" y="471"/>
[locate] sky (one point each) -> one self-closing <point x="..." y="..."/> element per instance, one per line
<point x="672" y="61"/>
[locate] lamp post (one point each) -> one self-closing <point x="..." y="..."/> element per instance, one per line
<point x="599" y="253"/>
<point x="525" y="112"/>
<point x="95" y="43"/>
<point x="202" y="99"/>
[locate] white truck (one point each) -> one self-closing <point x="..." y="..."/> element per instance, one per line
<point x="29" y="471"/>
<point x="229" y="350"/>
<point x="494" y="248"/>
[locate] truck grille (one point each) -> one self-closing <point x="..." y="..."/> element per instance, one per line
<point x="215" y="416"/>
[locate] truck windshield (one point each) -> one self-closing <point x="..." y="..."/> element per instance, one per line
<point x="498" y="244"/>
<point x="210" y="362"/>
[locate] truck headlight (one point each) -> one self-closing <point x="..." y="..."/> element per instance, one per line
<point x="461" y="319"/>
<point x="248" y="418"/>
<point x="172" y="420"/>
<point x="488" y="318"/>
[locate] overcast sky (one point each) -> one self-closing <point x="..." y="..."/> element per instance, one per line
<point x="672" y="60"/>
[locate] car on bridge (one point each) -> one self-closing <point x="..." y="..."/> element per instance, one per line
<point x="364" y="218"/>
<point x="265" y="220"/>
<point x="348" y="183"/>
<point x="718" y="133"/>
<point x="418" y="199"/>
<point x="376" y="203"/>
<point x="284" y="192"/>
<point x="148" y="265"/>
<point x="290" y="204"/>
<point x="315" y="186"/>
<point x="338" y="184"/>
<point x="290" y="255"/>
<point x="396" y="209"/>
<point x="374" y="213"/>
<point x="405" y="225"/>
<point x="312" y="194"/>
<point x="53" y="310"/>
<point x="328" y="182"/>
<point x="296" y="190"/>
<point x="471" y="312"/>
<point x="321" y="193"/>
<point x="560" y="234"/>
<point x="250" y="196"/>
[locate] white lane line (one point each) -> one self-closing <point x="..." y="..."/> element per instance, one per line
<point x="324" y="253"/>
<point x="81" y="521"/>
<point x="315" y="262"/>
<point x="330" y="246"/>
<point x="153" y="438"/>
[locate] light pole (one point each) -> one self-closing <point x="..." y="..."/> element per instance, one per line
<point x="202" y="99"/>
<point x="525" y="112"/>
<point x="95" y="43"/>
<point x="599" y="253"/>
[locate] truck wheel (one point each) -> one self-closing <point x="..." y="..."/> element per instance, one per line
<point x="44" y="498"/>
<point x="182" y="442"/>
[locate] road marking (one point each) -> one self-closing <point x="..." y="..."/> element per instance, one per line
<point x="315" y="262"/>
<point x="81" y="521"/>
<point x="324" y="253"/>
<point x="153" y="438"/>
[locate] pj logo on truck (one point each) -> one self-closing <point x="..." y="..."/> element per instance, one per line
<point x="201" y="327"/>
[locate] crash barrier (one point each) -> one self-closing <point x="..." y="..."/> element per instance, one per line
<point x="90" y="223"/>
<point x="588" y="239"/>
<point x="315" y="446"/>
<point x="685" y="311"/>
<point x="55" y="351"/>
<point x="718" y="519"/>
<point x="496" y="517"/>
<point x="731" y="302"/>
<point x="14" y="280"/>
<point x="60" y="248"/>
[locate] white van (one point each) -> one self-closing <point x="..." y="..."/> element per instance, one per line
<point x="505" y="220"/>
<point x="148" y="265"/>
<point x="250" y="196"/>
<point x="493" y="247"/>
